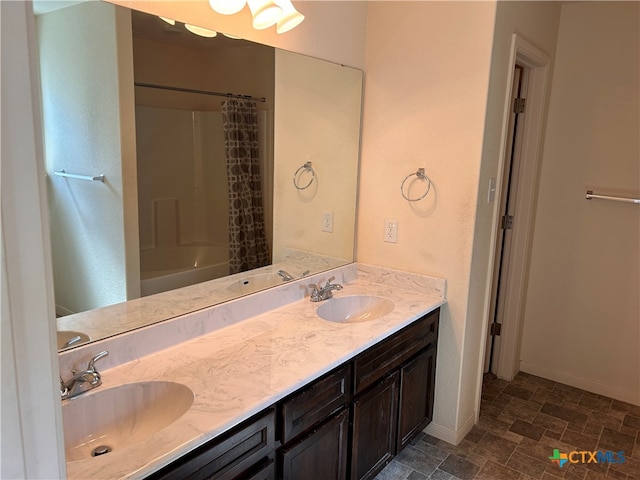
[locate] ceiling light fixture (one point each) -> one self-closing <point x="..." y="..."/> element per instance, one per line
<point x="227" y="7"/>
<point x="265" y="13"/>
<point x="290" y="17"/>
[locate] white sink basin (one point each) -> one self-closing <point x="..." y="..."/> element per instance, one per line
<point x="120" y="416"/>
<point x="65" y="338"/>
<point x="253" y="283"/>
<point x="354" y="308"/>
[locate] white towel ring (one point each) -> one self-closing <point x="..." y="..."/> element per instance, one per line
<point x="306" y="168"/>
<point x="421" y="175"/>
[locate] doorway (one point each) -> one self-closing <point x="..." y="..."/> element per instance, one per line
<point x="518" y="173"/>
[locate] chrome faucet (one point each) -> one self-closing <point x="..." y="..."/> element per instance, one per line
<point x="286" y="277"/>
<point x="324" y="293"/>
<point x="82" y="381"/>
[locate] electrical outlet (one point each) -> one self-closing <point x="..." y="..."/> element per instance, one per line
<point x="391" y="231"/>
<point x="327" y="222"/>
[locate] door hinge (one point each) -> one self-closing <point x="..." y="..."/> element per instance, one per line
<point x="507" y="222"/>
<point x="519" y="104"/>
<point x="496" y="328"/>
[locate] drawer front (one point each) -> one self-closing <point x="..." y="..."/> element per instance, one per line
<point x="230" y="455"/>
<point x="315" y="403"/>
<point x="376" y="362"/>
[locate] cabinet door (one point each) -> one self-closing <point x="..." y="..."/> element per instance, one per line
<point x="321" y="455"/>
<point x="375" y="415"/>
<point x="415" y="409"/>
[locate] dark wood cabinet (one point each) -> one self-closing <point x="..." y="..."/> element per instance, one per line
<point x="322" y="454"/>
<point x="374" y="428"/>
<point x="415" y="411"/>
<point x="238" y="454"/>
<point x="348" y="424"/>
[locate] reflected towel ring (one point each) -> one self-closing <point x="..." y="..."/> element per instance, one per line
<point x="421" y="175"/>
<point x="307" y="168"/>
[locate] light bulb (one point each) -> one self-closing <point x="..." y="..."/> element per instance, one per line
<point x="265" y="13"/>
<point x="227" y="7"/>
<point x="290" y="17"/>
<point x="170" y="21"/>
<point x="203" y="32"/>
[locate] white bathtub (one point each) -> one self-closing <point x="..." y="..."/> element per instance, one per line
<point x="167" y="268"/>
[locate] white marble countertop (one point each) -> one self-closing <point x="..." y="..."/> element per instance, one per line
<point x="239" y="370"/>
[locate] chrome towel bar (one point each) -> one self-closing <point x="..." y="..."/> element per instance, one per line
<point x="589" y="195"/>
<point x="95" y="178"/>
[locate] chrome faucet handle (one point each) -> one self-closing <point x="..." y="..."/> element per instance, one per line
<point x="329" y="281"/>
<point x="92" y="363"/>
<point x="315" y="292"/>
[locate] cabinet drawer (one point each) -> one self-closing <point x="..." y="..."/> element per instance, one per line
<point x="376" y="362"/>
<point x="315" y="403"/>
<point x="228" y="456"/>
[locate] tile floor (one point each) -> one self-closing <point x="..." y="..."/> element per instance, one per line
<point x="521" y="423"/>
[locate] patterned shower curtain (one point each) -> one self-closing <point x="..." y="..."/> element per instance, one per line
<point x="248" y="246"/>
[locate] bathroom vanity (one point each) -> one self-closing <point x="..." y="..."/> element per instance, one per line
<point x="273" y="389"/>
<point x="347" y="424"/>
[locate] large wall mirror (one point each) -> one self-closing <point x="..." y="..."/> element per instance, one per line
<point x="205" y="197"/>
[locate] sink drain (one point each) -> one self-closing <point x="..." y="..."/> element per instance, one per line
<point x="101" y="450"/>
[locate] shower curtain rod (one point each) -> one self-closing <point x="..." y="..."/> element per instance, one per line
<point x="202" y="92"/>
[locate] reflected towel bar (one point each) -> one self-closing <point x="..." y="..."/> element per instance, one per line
<point x="591" y="195"/>
<point x="95" y="178"/>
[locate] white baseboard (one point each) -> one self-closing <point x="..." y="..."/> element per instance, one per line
<point x="580" y="382"/>
<point x="454" y="437"/>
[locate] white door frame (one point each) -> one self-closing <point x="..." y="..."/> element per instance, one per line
<point x="537" y="62"/>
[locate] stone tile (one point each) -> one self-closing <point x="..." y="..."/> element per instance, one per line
<point x="592" y="430"/>
<point x="625" y="407"/>
<point x="514" y="437"/>
<point x="417" y="438"/>
<point x="418" y="476"/>
<point x="631" y="421"/>
<point x="591" y="475"/>
<point x="615" y="441"/>
<point x="502" y="400"/>
<point x="519" y="391"/>
<point x="550" y="423"/>
<point x="429" y="439"/>
<point x="543" y="395"/>
<point x="507" y="418"/>
<point x="417" y="460"/>
<point x="574" y="472"/>
<point x="495" y="448"/>
<point x="394" y="471"/>
<point x="459" y="467"/>
<point x="613" y="474"/>
<point x="554" y="435"/>
<point x="527" y="465"/>
<point x="565" y="413"/>
<point x="494" y="471"/>
<point x="490" y="392"/>
<point x="439" y="475"/>
<point x="579" y="440"/>
<point x="595" y="402"/>
<point x="549" y="476"/>
<point x="526" y="429"/>
<point x="630" y="467"/>
<point x="605" y="420"/>
<point x="492" y="424"/>
<point x="434" y="450"/>
<point x="571" y="394"/>
<point x="491" y="409"/>
<point x="475" y="434"/>
<point x="522" y="409"/>
<point x="541" y="382"/>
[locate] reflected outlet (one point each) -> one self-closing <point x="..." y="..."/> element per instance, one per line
<point x="327" y="222"/>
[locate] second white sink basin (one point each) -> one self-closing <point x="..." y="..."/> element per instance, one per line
<point x="111" y="419"/>
<point x="354" y="308"/>
<point x="254" y="283"/>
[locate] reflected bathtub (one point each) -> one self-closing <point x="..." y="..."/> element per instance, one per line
<point x="167" y="268"/>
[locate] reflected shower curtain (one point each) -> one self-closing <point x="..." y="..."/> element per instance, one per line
<point x="248" y="246"/>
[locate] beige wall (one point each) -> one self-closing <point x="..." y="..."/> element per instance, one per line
<point x="582" y="319"/>
<point x="82" y="137"/>
<point x="435" y="86"/>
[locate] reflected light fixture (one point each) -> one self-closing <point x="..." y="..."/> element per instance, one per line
<point x="170" y="21"/>
<point x="203" y="32"/>
<point x="265" y="13"/>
